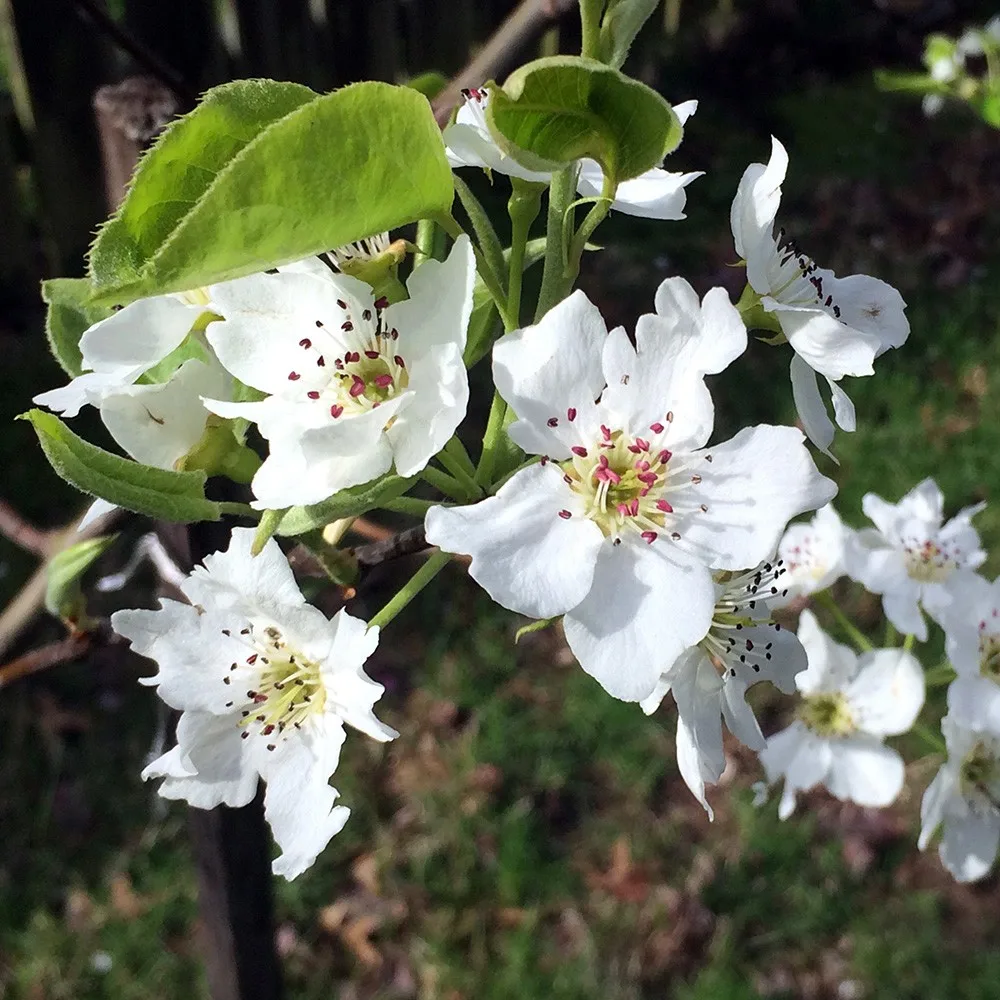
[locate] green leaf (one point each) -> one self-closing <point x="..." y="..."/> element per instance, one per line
<point x="347" y="503"/>
<point x="70" y="313"/>
<point x="556" y="110"/>
<point x="303" y="173"/>
<point x="63" y="594"/>
<point x="430" y="84"/>
<point x="171" y="496"/>
<point x="620" y="26"/>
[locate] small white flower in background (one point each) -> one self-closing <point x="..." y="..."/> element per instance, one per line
<point x="911" y="558"/>
<point x="355" y="385"/>
<point x="656" y="194"/>
<point x="849" y="705"/>
<point x="709" y="681"/>
<point x="622" y="522"/>
<point x="157" y="423"/>
<point x="972" y="640"/>
<point x="812" y="553"/>
<point x="836" y="326"/>
<point x="964" y="797"/>
<point x="265" y="683"/>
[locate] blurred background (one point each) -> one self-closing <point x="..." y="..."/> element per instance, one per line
<point x="527" y="835"/>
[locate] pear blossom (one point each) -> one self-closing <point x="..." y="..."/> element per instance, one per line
<point x="972" y="640"/>
<point x="655" y="194"/>
<point x="621" y="523"/>
<point x="812" y="553"/>
<point x="836" y="326"/>
<point x="964" y="798"/>
<point x="911" y="558"/>
<point x="265" y="684"/>
<point x="157" y="422"/>
<point x="354" y="384"/>
<point x="849" y="705"/>
<point x="709" y="681"/>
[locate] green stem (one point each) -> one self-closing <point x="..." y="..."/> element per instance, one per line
<point x="597" y="214"/>
<point x="460" y="473"/>
<point x="490" y="278"/>
<point x="411" y="506"/>
<point x="523" y="207"/>
<point x="857" y="636"/>
<point x="425" y="240"/>
<point x="932" y="739"/>
<point x="445" y="484"/>
<point x="457" y="451"/>
<point x="411" y="588"/>
<point x="554" y="284"/>
<point x="908" y="642"/>
<point x="239" y="510"/>
<point x="590" y="18"/>
<point x="491" y="440"/>
<point x="890" y="635"/>
<point x="268" y="525"/>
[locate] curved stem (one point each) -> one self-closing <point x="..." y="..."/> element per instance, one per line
<point x="458" y="470"/>
<point x="857" y="636"/>
<point x="554" y="283"/>
<point x="590" y="18"/>
<point x="411" y="588"/>
<point x="445" y="484"/>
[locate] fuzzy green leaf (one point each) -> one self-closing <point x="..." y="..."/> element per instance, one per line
<point x="70" y="313"/>
<point x="622" y="22"/>
<point x="347" y="503"/>
<point x="63" y="594"/>
<point x="171" y="496"/>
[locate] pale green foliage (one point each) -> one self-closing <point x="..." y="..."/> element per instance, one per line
<point x="70" y="313"/>
<point x="63" y="594"/>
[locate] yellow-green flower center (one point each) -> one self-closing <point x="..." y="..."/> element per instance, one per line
<point x="980" y="775"/>
<point x="827" y="714"/>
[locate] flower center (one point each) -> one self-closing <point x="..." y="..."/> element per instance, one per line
<point x="742" y="605"/>
<point x="360" y="364"/>
<point x="806" y="559"/>
<point x="927" y="561"/>
<point x="979" y="775"/>
<point x="827" y="714"/>
<point x="794" y="280"/>
<point x="284" y="689"/>
<point x="622" y="481"/>
<point x="989" y="650"/>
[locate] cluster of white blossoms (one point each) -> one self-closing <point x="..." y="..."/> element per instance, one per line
<point x="669" y="558"/>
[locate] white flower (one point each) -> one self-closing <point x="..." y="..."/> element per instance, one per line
<point x="836" y="326"/>
<point x="656" y="194"/>
<point x="265" y="684"/>
<point x="157" y="423"/>
<point x="813" y="554"/>
<point x="709" y="681"/>
<point x="965" y="797"/>
<point x="972" y="640"/>
<point x="620" y="524"/>
<point x="354" y="385"/>
<point x="911" y="559"/>
<point x="849" y="705"/>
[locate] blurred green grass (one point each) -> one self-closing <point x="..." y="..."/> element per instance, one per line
<point x="528" y="835"/>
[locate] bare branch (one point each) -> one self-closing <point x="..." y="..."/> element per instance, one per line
<point x="20" y="532"/>
<point x="45" y="657"/>
<point x="405" y="543"/>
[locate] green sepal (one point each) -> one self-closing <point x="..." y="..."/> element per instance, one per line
<point x="63" y="594"/>
<point x="621" y="23"/>
<point x="262" y="174"/>
<point x="266" y="527"/>
<point x="346" y="503"/>
<point x="381" y="271"/>
<point x="69" y="314"/>
<point x="560" y="109"/>
<point x="221" y="452"/>
<point x="160" y="493"/>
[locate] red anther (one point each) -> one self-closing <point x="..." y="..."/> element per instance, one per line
<point x="371" y="354"/>
<point x="571" y="413"/>
<point x="642" y="443"/>
<point x="670" y="416"/>
<point x="665" y="456"/>
<point x="306" y="343"/>
<point x="552" y="422"/>
<point x="565" y="515"/>
<point x="267" y="730"/>
<point x="341" y="303"/>
<point x="382" y="303"/>
<point x="606" y="431"/>
<point x="383" y="381"/>
<point x="642" y="465"/>
<point x="259" y="699"/>
<point x="394" y="333"/>
<point x="366" y="315"/>
<point x="649" y="537"/>
<point x="602" y="461"/>
<point x="321" y="362"/>
<point x="347" y="326"/>
<point x="252" y="659"/>
<point x="612" y="476"/>
<point x="313" y="394"/>
<point x="622" y="509"/>
<point x="357" y="387"/>
<point x="579" y="450"/>
<point x="633" y="507"/>
<point x="656" y="428"/>
<point x="664" y="506"/>
<point x="336" y="410"/>
<point x="634" y="448"/>
<point x="399" y="362"/>
<point x="338" y="364"/>
<point x="294" y="376"/>
<point x="647" y="477"/>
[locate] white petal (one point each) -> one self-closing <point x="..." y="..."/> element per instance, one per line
<point x="969" y="846"/>
<point x="656" y="194"/>
<point x="88" y="389"/>
<point x="755" y="483"/>
<point x="902" y="610"/>
<point x="872" y="306"/>
<point x="209" y="766"/>
<point x="234" y="578"/>
<point x="824" y="343"/>
<point x="782" y="748"/>
<point x="888" y="692"/>
<point x="843" y="408"/>
<point x="645" y="608"/>
<point x="159" y="424"/>
<point x="685" y="110"/>
<point x="831" y="665"/>
<point x="692" y="765"/>
<point x="98" y="509"/>
<point x="865" y="771"/>
<point x="545" y="370"/>
<point x="299" y="800"/>
<point x="809" y="405"/>
<point x="138" y="336"/>
<point x="471" y="146"/>
<point x="757" y="199"/>
<point x="524" y="554"/>
<point x="934" y="804"/>
<point x="974" y="702"/>
<point x="697" y="689"/>
<point x="651" y="702"/>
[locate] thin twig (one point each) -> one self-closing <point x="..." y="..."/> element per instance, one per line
<point x="528" y="20"/>
<point x="20" y="532"/>
<point x="405" y="543"/>
<point x="139" y="51"/>
<point x="44" y="657"/>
